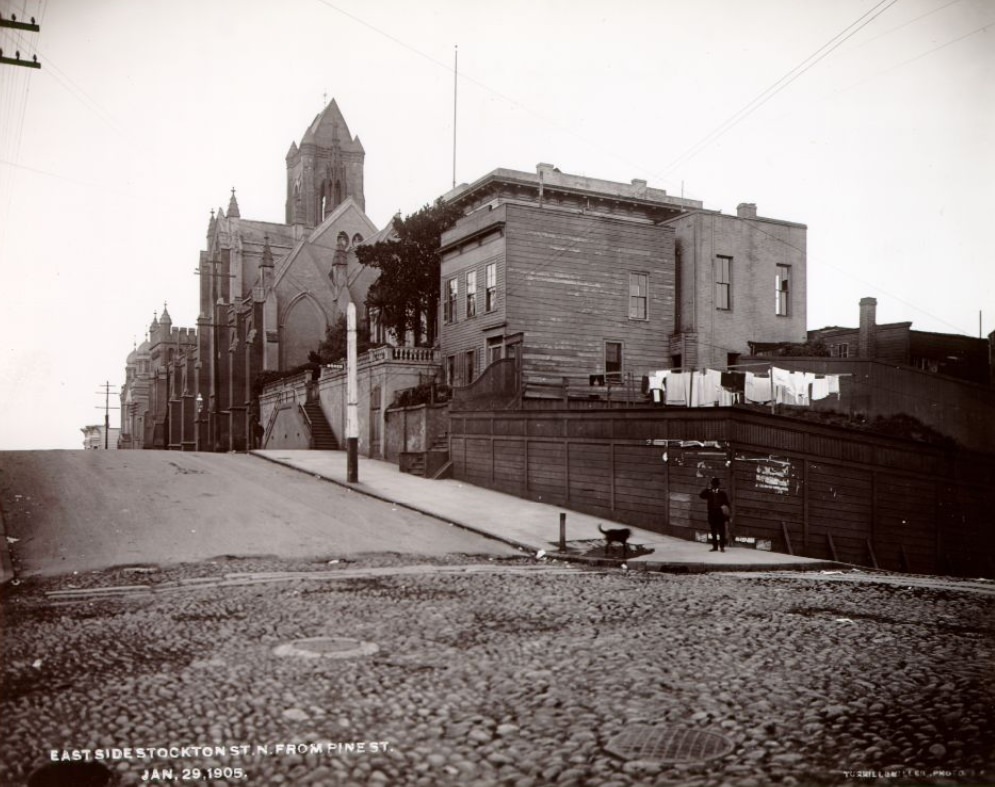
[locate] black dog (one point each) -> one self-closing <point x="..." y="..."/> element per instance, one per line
<point x="616" y="536"/>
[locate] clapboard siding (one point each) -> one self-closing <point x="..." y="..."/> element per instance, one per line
<point x="568" y="290"/>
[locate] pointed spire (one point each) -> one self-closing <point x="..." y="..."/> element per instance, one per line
<point x="212" y="223"/>
<point x="233" y="206"/>
<point x="165" y="319"/>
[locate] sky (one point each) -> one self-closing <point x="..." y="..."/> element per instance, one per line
<point x="870" y="121"/>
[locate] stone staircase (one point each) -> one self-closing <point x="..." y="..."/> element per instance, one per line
<point x="322" y="436"/>
<point x="434" y="463"/>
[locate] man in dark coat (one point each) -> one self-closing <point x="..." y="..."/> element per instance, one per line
<point x="718" y="513"/>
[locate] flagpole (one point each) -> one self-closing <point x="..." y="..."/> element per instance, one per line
<point x="455" y="81"/>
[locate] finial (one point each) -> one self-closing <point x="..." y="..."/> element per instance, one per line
<point x="233" y="206"/>
<point x="324" y="99"/>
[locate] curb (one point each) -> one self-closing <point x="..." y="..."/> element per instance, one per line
<point x="665" y="567"/>
<point x="593" y="562"/>
<point x="402" y="504"/>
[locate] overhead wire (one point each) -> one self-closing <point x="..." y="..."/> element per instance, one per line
<point x="768" y="93"/>
<point x="15" y="86"/>
<point x="799" y="70"/>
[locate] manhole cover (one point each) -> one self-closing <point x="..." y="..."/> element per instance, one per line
<point x="70" y="774"/>
<point x="668" y="744"/>
<point x="327" y="647"/>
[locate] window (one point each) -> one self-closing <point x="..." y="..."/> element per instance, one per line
<point x="451" y="370"/>
<point x="490" y="298"/>
<point x="471" y="293"/>
<point x="723" y="271"/>
<point x="781" y="290"/>
<point x="494" y="347"/>
<point x="449" y="306"/>
<point x="469" y="366"/>
<point x="638" y="292"/>
<point x="839" y="350"/>
<point x="613" y="362"/>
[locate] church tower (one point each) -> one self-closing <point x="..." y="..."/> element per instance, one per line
<point x="325" y="170"/>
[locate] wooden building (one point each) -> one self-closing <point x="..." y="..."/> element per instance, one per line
<point x="954" y="355"/>
<point x="597" y="283"/>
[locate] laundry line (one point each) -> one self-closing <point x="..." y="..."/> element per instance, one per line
<point x="711" y="387"/>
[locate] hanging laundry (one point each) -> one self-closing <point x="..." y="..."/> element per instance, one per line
<point x="758" y="388"/>
<point x="834" y="384"/>
<point x="820" y="387"/>
<point x="678" y="388"/>
<point x="706" y="387"/>
<point x="657" y="380"/>
<point x="734" y="381"/>
<point x="802" y="387"/>
<point x="784" y="386"/>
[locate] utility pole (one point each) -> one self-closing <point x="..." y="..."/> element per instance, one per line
<point x="352" y="399"/>
<point x="107" y="412"/>
<point x="30" y="27"/>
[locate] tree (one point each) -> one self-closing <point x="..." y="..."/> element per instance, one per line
<point x="408" y="286"/>
<point x="335" y="344"/>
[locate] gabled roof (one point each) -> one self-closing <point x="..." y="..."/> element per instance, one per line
<point x="387" y="233"/>
<point x="347" y="205"/>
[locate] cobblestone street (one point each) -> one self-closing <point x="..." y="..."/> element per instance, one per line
<point x="506" y="673"/>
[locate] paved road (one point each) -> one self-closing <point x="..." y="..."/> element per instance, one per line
<point x="85" y="510"/>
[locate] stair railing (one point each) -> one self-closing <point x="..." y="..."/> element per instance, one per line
<point x="307" y="424"/>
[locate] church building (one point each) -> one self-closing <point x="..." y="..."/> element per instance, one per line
<point x="268" y="293"/>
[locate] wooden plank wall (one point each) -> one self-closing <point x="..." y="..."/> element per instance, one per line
<point x="836" y="495"/>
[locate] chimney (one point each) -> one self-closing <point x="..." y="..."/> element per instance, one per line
<point x="868" y="322"/>
<point x="639" y="187"/>
<point x="746" y="210"/>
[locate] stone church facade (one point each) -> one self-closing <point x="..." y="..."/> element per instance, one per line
<point x="268" y="293"/>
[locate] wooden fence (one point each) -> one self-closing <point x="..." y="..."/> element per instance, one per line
<point x="818" y="491"/>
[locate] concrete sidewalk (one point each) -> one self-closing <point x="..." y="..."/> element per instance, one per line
<point x="532" y="526"/>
